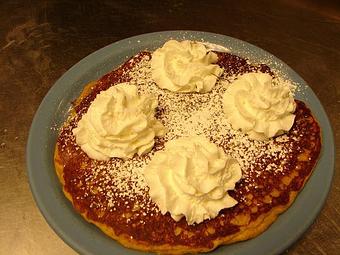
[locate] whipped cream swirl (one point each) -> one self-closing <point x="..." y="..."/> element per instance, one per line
<point x="119" y="123"/>
<point x="185" y="66"/>
<point x="258" y="106"/>
<point x="190" y="178"/>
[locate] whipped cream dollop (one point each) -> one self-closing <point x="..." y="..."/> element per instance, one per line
<point x="258" y="106"/>
<point x="190" y="178"/>
<point x="119" y="123"/>
<point x="185" y="66"/>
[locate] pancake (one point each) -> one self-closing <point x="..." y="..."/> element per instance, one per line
<point x="113" y="194"/>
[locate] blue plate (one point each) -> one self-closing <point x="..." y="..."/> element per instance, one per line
<point x="84" y="237"/>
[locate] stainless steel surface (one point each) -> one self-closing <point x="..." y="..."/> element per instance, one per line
<point x="40" y="40"/>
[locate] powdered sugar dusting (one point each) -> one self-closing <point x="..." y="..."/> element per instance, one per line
<point x="183" y="114"/>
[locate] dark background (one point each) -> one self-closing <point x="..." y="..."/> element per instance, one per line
<point x="40" y="40"/>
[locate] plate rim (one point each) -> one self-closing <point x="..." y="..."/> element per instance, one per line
<point x="82" y="64"/>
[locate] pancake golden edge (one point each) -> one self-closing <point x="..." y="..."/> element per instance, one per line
<point x="253" y="229"/>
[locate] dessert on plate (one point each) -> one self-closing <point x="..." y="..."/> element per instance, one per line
<point x="184" y="149"/>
